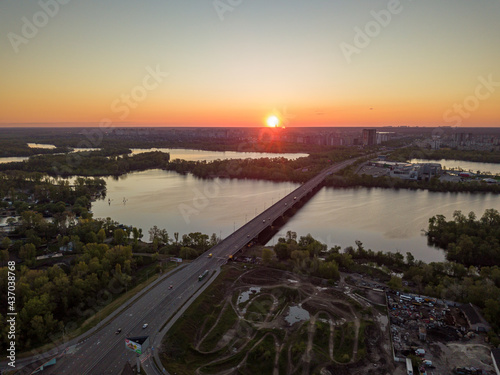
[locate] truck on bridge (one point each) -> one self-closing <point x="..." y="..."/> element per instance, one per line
<point x="202" y="276"/>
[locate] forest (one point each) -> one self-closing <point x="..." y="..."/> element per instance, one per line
<point x="302" y="256"/>
<point x="92" y="163"/>
<point x="467" y="239"/>
<point x="272" y="169"/>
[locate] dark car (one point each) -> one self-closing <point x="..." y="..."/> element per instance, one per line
<point x="118" y="331"/>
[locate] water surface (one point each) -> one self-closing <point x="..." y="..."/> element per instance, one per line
<point x="197" y="155"/>
<point x="382" y="219"/>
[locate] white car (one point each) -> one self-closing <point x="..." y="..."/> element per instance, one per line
<point x="145" y="325"/>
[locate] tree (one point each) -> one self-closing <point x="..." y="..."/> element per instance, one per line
<point x="395" y="283"/>
<point x="213" y="240"/>
<point x="158" y="234"/>
<point x="328" y="270"/>
<point x="4" y="255"/>
<point x="101" y="235"/>
<point x="410" y="259"/>
<point x="6" y="242"/>
<point x="315" y="247"/>
<point x="28" y="253"/>
<point x="299" y="255"/>
<point x="291" y="236"/>
<point x="188" y="253"/>
<point x="282" y="251"/>
<point x="137" y="235"/>
<point x="119" y="236"/>
<point x="267" y="255"/>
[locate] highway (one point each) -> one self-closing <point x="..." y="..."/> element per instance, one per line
<point x="104" y="351"/>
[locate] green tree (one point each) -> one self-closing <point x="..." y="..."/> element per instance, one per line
<point x="282" y="251"/>
<point x="188" y="253"/>
<point x="291" y="236"/>
<point x="6" y="242"/>
<point x="267" y="255"/>
<point x="101" y="235"/>
<point x="4" y="255"/>
<point x="119" y="236"/>
<point x="395" y="283"/>
<point x="328" y="270"/>
<point x="299" y="255"/>
<point x="28" y="253"/>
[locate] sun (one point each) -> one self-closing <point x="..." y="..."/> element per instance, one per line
<point x="273" y="121"/>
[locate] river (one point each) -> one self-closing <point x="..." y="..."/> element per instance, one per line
<point x="197" y="155"/>
<point x="178" y="153"/>
<point x="383" y="219"/>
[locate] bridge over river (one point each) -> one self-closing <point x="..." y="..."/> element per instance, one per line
<point x="101" y="351"/>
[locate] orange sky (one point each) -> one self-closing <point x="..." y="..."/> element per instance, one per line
<point x="178" y="64"/>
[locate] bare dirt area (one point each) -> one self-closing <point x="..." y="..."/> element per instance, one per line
<point x="436" y="332"/>
<point x="267" y="321"/>
<point x="474" y="353"/>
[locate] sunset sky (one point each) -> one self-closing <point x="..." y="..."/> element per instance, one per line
<point x="236" y="62"/>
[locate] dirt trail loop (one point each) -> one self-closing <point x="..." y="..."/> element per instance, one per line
<point x="227" y="305"/>
<point x="264" y="313"/>
<point x="357" y="324"/>
<point x="330" y="344"/>
<point x="306" y="358"/>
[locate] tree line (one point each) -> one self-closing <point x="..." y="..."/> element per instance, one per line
<point x="347" y="178"/>
<point x="93" y="163"/>
<point x="466" y="239"/>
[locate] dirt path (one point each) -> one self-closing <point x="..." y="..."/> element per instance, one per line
<point x="357" y="324"/>
<point x="330" y="344"/>
<point x="279" y="347"/>
<point x="266" y="317"/>
<point x="306" y="358"/>
<point x="217" y="347"/>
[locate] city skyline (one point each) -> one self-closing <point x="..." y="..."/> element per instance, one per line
<point x="238" y="63"/>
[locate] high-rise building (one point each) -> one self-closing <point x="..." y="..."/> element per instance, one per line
<point x="369" y="137"/>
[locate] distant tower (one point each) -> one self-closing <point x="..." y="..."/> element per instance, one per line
<point x="369" y="137"/>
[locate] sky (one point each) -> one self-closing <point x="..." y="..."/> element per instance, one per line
<point x="237" y="62"/>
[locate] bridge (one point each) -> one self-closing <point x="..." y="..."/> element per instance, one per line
<point x="274" y="215"/>
<point x="101" y="350"/>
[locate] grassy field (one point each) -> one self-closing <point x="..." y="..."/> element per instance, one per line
<point x="343" y="343"/>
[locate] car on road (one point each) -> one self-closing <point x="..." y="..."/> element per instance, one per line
<point x="145" y="325"/>
<point x="171" y="286"/>
<point x="118" y="331"/>
<point x="264" y="220"/>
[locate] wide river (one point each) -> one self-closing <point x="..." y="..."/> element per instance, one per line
<point x="178" y="153"/>
<point x="381" y="219"/>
